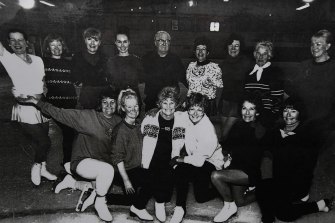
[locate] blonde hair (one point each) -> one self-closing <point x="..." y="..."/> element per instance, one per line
<point x="123" y="95"/>
<point x="266" y="44"/>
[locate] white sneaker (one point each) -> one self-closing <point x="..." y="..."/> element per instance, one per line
<point x="160" y="211"/>
<point x="45" y="173"/>
<point x="36" y="174"/>
<point x="102" y="209"/>
<point x="228" y="210"/>
<point x="67" y="182"/>
<point x="178" y="215"/>
<point x="141" y="214"/>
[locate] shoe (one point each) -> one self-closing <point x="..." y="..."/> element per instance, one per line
<point x="102" y="209"/>
<point x="67" y="182"/>
<point x="330" y="203"/>
<point x="141" y="214"/>
<point x="91" y="195"/>
<point x="178" y="215"/>
<point x="160" y="211"/>
<point x="45" y="173"/>
<point x="228" y="210"/>
<point x="36" y="174"/>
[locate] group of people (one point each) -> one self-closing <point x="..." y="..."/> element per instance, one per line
<point x="105" y="142"/>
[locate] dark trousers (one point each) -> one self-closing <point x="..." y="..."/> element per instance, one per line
<point x="274" y="202"/>
<point x="201" y="178"/>
<point x="157" y="183"/>
<point x="135" y="176"/>
<point x="40" y="139"/>
<point x="68" y="136"/>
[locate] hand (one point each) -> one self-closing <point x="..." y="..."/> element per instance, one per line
<point x="129" y="187"/>
<point x="28" y="98"/>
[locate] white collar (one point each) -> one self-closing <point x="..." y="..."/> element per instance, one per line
<point x="259" y="70"/>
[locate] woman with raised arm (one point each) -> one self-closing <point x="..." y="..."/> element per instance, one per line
<point x="92" y="148"/>
<point x="27" y="74"/>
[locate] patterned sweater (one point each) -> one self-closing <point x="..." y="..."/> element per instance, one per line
<point x="198" y="77"/>
<point x="59" y="81"/>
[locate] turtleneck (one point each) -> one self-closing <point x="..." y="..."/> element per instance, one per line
<point x="203" y="62"/>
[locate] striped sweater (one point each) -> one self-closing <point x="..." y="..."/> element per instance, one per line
<point x="270" y="87"/>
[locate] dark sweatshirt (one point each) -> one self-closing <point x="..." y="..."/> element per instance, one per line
<point x="94" y="131"/>
<point x="127" y="145"/>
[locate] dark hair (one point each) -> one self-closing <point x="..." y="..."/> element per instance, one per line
<point x="168" y="92"/>
<point x="253" y="98"/>
<point x="202" y="40"/>
<point x="50" y="38"/>
<point x="14" y="30"/>
<point x="296" y="103"/>
<point x="107" y="93"/>
<point x="196" y="99"/>
<point x="122" y="30"/>
<point x="326" y="34"/>
<point x="232" y="37"/>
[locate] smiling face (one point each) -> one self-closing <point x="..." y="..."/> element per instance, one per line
<point x="290" y="115"/>
<point x="262" y="56"/>
<point x="196" y="113"/>
<point x="122" y="44"/>
<point x="56" y="49"/>
<point x="168" y="107"/>
<point x="108" y="106"/>
<point x="234" y="48"/>
<point x="201" y="52"/>
<point x="18" y="43"/>
<point x="249" y="112"/>
<point x="131" y="108"/>
<point x="92" y="44"/>
<point x="319" y="49"/>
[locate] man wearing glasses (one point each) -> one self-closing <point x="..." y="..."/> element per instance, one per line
<point x="161" y="68"/>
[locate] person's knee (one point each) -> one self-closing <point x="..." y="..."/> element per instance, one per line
<point x="107" y="170"/>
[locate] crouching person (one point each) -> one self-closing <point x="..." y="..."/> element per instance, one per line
<point x="203" y="156"/>
<point x="91" y="149"/>
<point x="127" y="150"/>
<point x="163" y="133"/>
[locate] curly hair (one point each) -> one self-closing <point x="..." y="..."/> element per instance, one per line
<point x="265" y="44"/>
<point x="168" y="92"/>
<point x="202" y="40"/>
<point x="50" y="38"/>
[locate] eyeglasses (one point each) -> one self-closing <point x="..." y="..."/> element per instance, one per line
<point x="162" y="41"/>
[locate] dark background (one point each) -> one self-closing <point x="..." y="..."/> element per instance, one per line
<point x="276" y="20"/>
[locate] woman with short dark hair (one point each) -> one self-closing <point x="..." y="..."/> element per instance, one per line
<point x="244" y="146"/>
<point x="294" y="149"/>
<point x="204" y="76"/>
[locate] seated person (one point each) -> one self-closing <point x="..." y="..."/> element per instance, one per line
<point x="244" y="144"/>
<point x="203" y="156"/>
<point x="91" y="149"/>
<point x="294" y="148"/>
<point x="127" y="149"/>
